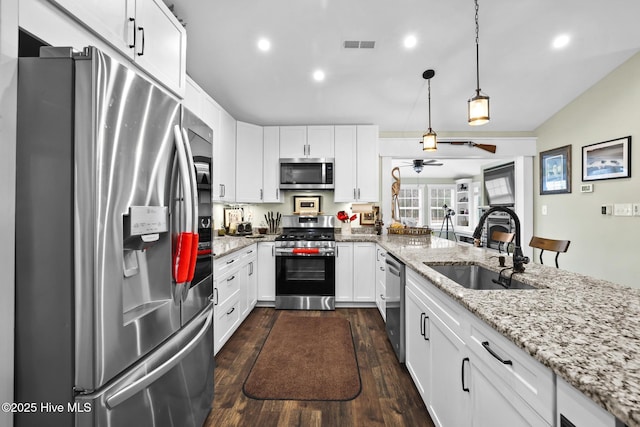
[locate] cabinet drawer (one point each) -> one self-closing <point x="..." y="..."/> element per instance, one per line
<point x="448" y="311"/>
<point x="248" y="254"/>
<point x="226" y="286"/>
<point x="221" y="266"/>
<point x="226" y="321"/>
<point x="528" y="378"/>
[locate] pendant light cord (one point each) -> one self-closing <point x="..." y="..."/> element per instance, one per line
<point x="477" y="50"/>
<point x="429" y="98"/>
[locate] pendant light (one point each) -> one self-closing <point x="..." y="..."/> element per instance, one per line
<point x="429" y="141"/>
<point x="479" y="104"/>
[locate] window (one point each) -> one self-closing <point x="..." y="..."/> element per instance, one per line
<point x="439" y="195"/>
<point x="411" y="205"/>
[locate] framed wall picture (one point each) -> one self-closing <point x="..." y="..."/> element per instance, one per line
<point x="555" y="170"/>
<point x="607" y="160"/>
<point x="369" y="218"/>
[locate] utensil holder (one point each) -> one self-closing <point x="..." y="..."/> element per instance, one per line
<point x="346" y="228"/>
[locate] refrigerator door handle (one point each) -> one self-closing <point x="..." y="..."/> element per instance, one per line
<point x="182" y="257"/>
<point x="140" y="384"/>
<point x="194" y="210"/>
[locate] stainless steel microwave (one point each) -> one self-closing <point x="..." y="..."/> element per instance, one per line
<point x="300" y="174"/>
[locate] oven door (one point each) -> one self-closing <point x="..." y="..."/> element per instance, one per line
<point x="305" y="275"/>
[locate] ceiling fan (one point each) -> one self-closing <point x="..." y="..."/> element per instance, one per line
<point x="419" y="164"/>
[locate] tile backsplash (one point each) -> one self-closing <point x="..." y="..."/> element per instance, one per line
<point x="255" y="213"/>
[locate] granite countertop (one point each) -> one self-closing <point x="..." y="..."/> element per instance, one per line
<point x="585" y="330"/>
<point x="224" y="245"/>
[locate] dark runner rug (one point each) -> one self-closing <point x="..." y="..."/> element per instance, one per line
<point x="306" y="358"/>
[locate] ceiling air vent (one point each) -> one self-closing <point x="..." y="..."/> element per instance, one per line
<point x="356" y="44"/>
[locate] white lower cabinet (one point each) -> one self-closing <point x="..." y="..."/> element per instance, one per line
<point x="450" y="403"/>
<point x="418" y="346"/>
<point x="248" y="280"/>
<point x="267" y="269"/>
<point x="493" y="402"/>
<point x="355" y="272"/>
<point x="235" y="290"/>
<point x="467" y="373"/>
<point x="381" y="288"/>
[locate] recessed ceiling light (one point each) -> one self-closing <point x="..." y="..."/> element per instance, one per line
<point x="410" y="42"/>
<point x="318" y="75"/>
<point x="561" y="41"/>
<point x="264" y="45"/>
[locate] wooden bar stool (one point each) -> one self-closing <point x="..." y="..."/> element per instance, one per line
<point x="549" y="245"/>
<point x="501" y="237"/>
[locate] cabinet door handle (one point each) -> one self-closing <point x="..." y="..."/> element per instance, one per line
<point x="231" y="278"/>
<point x="354" y="194"/>
<point x="382" y="297"/>
<point x="381" y="268"/>
<point x="224" y="190"/>
<point x="422" y="316"/>
<point x="277" y="194"/>
<point x="230" y="311"/>
<point x="464" y="388"/>
<point x="486" y="346"/>
<point x="134" y="32"/>
<point x="273" y="250"/>
<point x="261" y="193"/>
<point x="358" y="193"/>
<point x="215" y="296"/>
<point x="424" y="322"/>
<point x="230" y="261"/>
<point x="141" y="29"/>
<point x="251" y="269"/>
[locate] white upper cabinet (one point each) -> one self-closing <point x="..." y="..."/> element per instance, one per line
<point x="249" y="163"/>
<point x="160" y="43"/>
<point x="271" y="165"/>
<point x="110" y="19"/>
<point x="306" y="142"/>
<point x="320" y="140"/>
<point x="144" y="30"/>
<point x="293" y="142"/>
<point x="356" y="164"/>
<point x="224" y="160"/>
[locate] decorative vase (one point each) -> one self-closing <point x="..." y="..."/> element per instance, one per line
<point x="346" y="228"/>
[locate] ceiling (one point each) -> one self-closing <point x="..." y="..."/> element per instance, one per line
<point x="528" y="80"/>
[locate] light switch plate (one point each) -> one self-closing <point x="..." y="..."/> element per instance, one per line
<point x="623" y="209"/>
<point x="544" y="209"/>
<point x="586" y="188"/>
<point x="636" y="209"/>
<point x="605" y="209"/>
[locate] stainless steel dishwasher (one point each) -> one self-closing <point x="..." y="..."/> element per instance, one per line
<point x="394" y="300"/>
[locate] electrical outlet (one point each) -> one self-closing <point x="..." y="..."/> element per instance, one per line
<point x="544" y="209"/>
<point x="622" y="209"/>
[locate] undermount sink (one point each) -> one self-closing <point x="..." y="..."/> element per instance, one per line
<point x="476" y="277"/>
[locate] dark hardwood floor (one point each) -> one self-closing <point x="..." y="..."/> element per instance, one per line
<point x="388" y="397"/>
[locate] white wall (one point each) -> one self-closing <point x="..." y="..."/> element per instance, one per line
<point x="8" y="89"/>
<point x="601" y="246"/>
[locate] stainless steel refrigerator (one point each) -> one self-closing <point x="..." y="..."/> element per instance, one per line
<point x="114" y="323"/>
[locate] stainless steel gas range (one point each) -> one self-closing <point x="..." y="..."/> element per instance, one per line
<point x="305" y="263"/>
